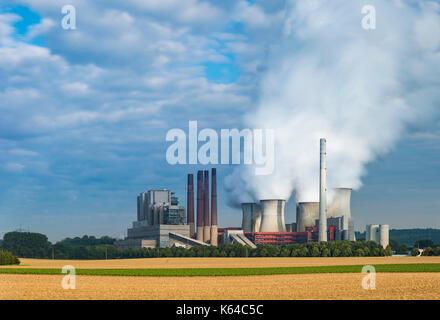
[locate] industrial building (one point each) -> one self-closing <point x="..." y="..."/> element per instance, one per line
<point x="263" y="222"/>
<point x="159" y="217"/>
<point x="378" y="233"/>
<point x="161" y="222"/>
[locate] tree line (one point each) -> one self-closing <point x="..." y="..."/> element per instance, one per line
<point x="36" y="245"/>
<point x="408" y="237"/>
<point x="428" y="251"/>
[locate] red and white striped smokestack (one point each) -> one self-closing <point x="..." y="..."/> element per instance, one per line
<point x="200" y="211"/>
<point x="206" y="226"/>
<point x="190" y="205"/>
<point x="214" y="224"/>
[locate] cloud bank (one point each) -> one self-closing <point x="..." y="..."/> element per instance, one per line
<point x="360" y="89"/>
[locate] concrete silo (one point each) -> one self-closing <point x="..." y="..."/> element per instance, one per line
<point x="378" y="233"/>
<point x="306" y="215"/>
<point x="272" y="215"/>
<point x="384" y="231"/>
<point x="372" y="233"/>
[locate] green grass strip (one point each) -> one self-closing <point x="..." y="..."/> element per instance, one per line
<point x="214" y="272"/>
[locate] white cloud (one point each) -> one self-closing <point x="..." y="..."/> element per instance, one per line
<point x="40" y="29"/>
<point x="23" y="152"/>
<point x="76" y="88"/>
<point x="14" y="167"/>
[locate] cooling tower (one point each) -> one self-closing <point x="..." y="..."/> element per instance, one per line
<point x="384" y="230"/>
<point x="272" y="215"/>
<point x="256" y="218"/>
<point x="306" y="215"/>
<point x="247" y="217"/>
<point x="340" y="206"/>
<point x="251" y="217"/>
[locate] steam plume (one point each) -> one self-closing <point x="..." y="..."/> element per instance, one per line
<point x="360" y="89"/>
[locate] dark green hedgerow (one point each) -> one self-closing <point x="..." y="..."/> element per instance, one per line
<point x="7" y="258"/>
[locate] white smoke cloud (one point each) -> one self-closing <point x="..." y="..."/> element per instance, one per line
<point x="360" y="89"/>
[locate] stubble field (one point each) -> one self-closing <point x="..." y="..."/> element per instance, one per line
<point x="289" y="286"/>
<point x="153" y="263"/>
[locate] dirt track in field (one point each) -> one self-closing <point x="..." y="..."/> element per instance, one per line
<point x="219" y="262"/>
<point x="300" y="286"/>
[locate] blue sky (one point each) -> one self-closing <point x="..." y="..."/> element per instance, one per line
<point x="85" y="112"/>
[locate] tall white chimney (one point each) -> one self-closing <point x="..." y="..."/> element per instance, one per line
<point x="322" y="194"/>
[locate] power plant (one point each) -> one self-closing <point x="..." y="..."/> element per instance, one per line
<point x="315" y="221"/>
<point x="161" y="222"/>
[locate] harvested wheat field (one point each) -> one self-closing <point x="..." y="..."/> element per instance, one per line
<point x="151" y="263"/>
<point x="301" y="286"/>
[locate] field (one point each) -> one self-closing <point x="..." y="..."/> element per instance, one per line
<point x="219" y="262"/>
<point x="397" y="278"/>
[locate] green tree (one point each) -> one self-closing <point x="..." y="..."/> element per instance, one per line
<point x="7" y="258"/>
<point x="415" y="252"/>
<point x="346" y="252"/>
<point x="424" y="243"/>
<point x="263" y="253"/>
<point x="315" y="252"/>
<point x="303" y="252"/>
<point x="325" y="252"/>
<point x="376" y="252"/>
<point x="428" y="252"/>
<point x="388" y="251"/>
<point x="403" y="249"/>
<point x="27" y="244"/>
<point x="394" y="244"/>
<point x="284" y="252"/>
